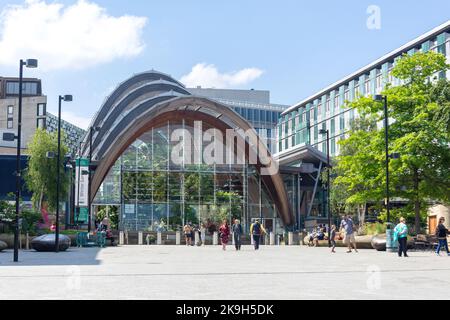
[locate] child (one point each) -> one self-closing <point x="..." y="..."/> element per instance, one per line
<point x="332" y="238"/>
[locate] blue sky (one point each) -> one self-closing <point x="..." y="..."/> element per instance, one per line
<point x="292" y="48"/>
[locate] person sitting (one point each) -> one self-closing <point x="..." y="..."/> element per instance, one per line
<point x="104" y="226"/>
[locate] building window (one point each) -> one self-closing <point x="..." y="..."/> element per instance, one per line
<point x="41" y="109"/>
<point x="357" y="91"/>
<point x="9" y="124"/>
<point x="10" y="111"/>
<point x="328" y="103"/>
<point x="28" y="88"/>
<point x="367" y="87"/>
<point x="379" y="81"/>
<point x="40" y="123"/>
<point x="347" y="95"/>
<point x="319" y="108"/>
<point x="336" y="102"/>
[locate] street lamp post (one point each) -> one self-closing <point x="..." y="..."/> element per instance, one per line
<point x="327" y="133"/>
<point x="389" y="231"/>
<point x="66" y="98"/>
<point x="30" y="63"/>
<point x="91" y="130"/>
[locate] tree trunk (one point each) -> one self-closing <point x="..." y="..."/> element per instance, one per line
<point x="416" y="202"/>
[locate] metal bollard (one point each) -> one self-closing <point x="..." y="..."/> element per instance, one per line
<point x="215" y="238"/>
<point x="121" y="238"/>
<point x="159" y="239"/>
<point x="272" y="239"/>
<point x="140" y="238"/>
<point x="178" y="238"/>
<point x="290" y="238"/>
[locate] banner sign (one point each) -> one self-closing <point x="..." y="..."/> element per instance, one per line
<point x="81" y="182"/>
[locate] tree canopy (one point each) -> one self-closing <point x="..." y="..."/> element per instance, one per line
<point x="40" y="175"/>
<point x="419" y="116"/>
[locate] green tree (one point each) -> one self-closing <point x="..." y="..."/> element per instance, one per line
<point x="40" y="175"/>
<point x="418" y="130"/>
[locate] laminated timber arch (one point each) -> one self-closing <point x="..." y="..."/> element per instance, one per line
<point x="153" y="99"/>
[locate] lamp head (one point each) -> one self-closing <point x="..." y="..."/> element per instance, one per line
<point x="68" y="98"/>
<point x="378" y="98"/>
<point x="31" y="63"/>
<point x="323" y="131"/>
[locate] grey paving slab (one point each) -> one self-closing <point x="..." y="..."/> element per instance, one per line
<point x="180" y="272"/>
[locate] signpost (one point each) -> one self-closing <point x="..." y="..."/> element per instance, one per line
<point x="81" y="190"/>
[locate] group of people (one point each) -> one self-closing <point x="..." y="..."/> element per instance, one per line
<point x="189" y="231"/>
<point x="225" y="231"/>
<point x="256" y="232"/>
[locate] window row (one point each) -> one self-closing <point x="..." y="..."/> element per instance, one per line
<point x="257" y="115"/>
<point x="28" y="88"/>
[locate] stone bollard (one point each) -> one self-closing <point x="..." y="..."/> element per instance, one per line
<point x="196" y="238"/>
<point x="178" y="238"/>
<point x="290" y="238"/>
<point x="140" y="238"/>
<point x="159" y="239"/>
<point x="215" y="238"/>
<point x="147" y="239"/>
<point x="266" y="239"/>
<point x="232" y="239"/>
<point x="121" y="238"/>
<point x="301" y="236"/>
<point x="272" y="239"/>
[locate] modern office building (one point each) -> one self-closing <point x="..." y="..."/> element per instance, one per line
<point x="300" y="124"/>
<point x="252" y="105"/>
<point x="34" y="115"/>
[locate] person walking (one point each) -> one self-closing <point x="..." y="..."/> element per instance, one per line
<point x="256" y="230"/>
<point x="441" y="234"/>
<point x="224" y="233"/>
<point x="349" y="238"/>
<point x="237" y="233"/>
<point x="401" y="234"/>
<point x="187" y="234"/>
<point x="333" y="238"/>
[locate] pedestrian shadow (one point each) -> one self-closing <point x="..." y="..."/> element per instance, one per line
<point x="72" y="256"/>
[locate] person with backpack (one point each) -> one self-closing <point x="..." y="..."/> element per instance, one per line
<point x="237" y="233"/>
<point x="441" y="234"/>
<point x="256" y="230"/>
<point x="401" y="234"/>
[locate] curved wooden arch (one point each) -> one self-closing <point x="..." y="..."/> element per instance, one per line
<point x="175" y="110"/>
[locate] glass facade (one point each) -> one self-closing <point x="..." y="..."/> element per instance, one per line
<point x="369" y="82"/>
<point x="151" y="188"/>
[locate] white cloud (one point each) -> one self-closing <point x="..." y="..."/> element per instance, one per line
<point x="207" y="75"/>
<point x="62" y="37"/>
<point x="80" y="122"/>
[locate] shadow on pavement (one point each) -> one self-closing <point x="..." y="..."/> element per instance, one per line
<point x="73" y="256"/>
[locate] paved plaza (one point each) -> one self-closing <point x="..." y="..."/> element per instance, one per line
<point x="180" y="272"/>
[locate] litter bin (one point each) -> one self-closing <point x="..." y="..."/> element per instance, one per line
<point x="391" y="244"/>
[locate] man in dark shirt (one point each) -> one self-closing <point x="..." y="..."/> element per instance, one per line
<point x="441" y="234"/>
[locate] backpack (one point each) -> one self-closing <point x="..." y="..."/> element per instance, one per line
<point x="256" y="228"/>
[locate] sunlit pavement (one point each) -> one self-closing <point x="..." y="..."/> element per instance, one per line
<point x="180" y="272"/>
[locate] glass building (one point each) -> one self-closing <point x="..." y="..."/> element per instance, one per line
<point x="139" y="168"/>
<point x="300" y="124"/>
